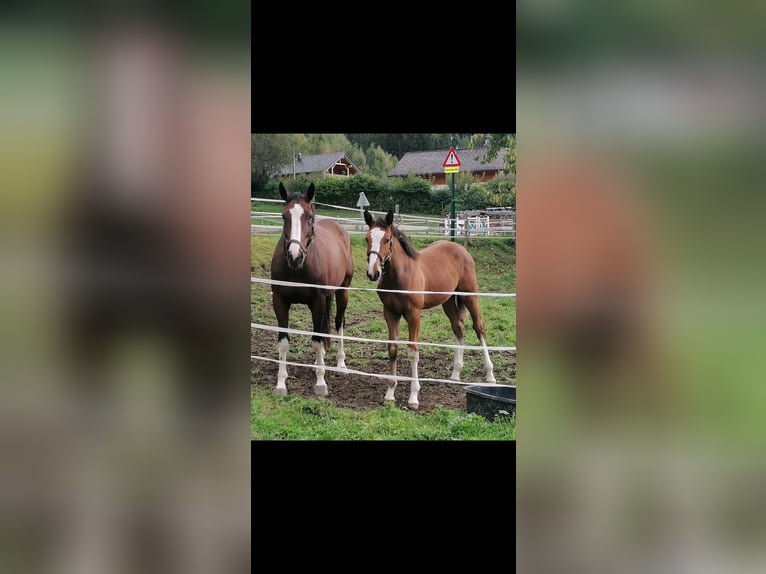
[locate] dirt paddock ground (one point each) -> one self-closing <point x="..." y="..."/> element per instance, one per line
<point x="366" y="392"/>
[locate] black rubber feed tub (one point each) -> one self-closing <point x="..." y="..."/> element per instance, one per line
<point x="491" y="401"/>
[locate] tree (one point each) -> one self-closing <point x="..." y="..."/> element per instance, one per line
<point x="446" y="141"/>
<point x="358" y="156"/>
<point x="326" y="143"/>
<point x="363" y="140"/>
<point x="268" y="154"/>
<point x="399" y="144"/>
<point x="502" y="190"/>
<point x="494" y="143"/>
<point x="471" y="197"/>
<point x="379" y="162"/>
<point x="395" y="144"/>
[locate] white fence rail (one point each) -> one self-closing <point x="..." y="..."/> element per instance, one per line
<point x="413" y="225"/>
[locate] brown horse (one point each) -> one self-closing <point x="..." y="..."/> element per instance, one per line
<point x="441" y="268"/>
<point x="313" y="253"/>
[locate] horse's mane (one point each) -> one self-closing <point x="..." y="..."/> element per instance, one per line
<point x="404" y="241"/>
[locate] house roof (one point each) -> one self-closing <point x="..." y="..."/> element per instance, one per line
<point x="316" y="163"/>
<point x="430" y="162"/>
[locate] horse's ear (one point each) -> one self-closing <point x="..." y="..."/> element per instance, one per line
<point x="367" y="217"/>
<point x="310" y="193"/>
<point x="389" y="217"/>
<point x="282" y="191"/>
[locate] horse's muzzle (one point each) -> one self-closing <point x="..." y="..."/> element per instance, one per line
<point x="295" y="262"/>
<point x="373" y="276"/>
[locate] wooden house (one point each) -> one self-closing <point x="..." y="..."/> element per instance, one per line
<point x="333" y="164"/>
<point x="428" y="165"/>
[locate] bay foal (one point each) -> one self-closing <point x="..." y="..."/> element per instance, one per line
<point x="439" y="269"/>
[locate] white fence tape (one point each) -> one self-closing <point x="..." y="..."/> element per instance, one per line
<point x="495" y="235"/>
<point x="366" y="340"/>
<point x="399" y="378"/>
<point x="334" y="287"/>
<point x="256" y="199"/>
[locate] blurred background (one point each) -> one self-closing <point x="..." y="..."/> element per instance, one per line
<point x="124" y="417"/>
<point x="641" y="140"/>
<point x="125" y="294"/>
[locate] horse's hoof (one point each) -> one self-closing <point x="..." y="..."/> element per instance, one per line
<point x="342" y="367"/>
<point x="413" y="406"/>
<point x="491" y="379"/>
<point x="320" y="391"/>
<point x="281" y="392"/>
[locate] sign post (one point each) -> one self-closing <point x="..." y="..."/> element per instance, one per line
<point x="361" y="204"/>
<point x="452" y="165"/>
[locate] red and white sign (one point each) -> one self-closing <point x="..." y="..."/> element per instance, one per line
<point x="451" y="162"/>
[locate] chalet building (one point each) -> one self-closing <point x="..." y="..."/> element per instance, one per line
<point x="428" y="165"/>
<point x="333" y="164"/>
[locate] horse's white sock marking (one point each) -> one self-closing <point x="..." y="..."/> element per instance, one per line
<point x="295" y="230"/>
<point x="341" y="352"/>
<point x="392" y="385"/>
<point x="457" y="366"/>
<point x="377" y="237"/>
<point x="488" y="366"/>
<point x="414" y="357"/>
<point x="283" y="346"/>
<point x="321" y="386"/>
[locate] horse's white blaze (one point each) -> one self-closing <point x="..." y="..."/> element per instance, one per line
<point x="376" y="235"/>
<point x="295" y="212"/>
<point x="488" y="366"/>
<point x="414" y="357"/>
<point x="457" y="366"/>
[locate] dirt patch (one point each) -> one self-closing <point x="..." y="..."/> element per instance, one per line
<point x="366" y="392"/>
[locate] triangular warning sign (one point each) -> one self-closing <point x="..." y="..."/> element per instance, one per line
<point x="452" y="159"/>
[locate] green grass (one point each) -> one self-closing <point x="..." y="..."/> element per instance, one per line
<point x="296" y="418"/>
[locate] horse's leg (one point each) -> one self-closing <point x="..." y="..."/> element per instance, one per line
<point x="413" y="323"/>
<point x="392" y="320"/>
<point x="341" y="301"/>
<point x="455" y="311"/>
<point x="282" y="311"/>
<point x="319" y="318"/>
<point x="326" y="321"/>
<point x="472" y="303"/>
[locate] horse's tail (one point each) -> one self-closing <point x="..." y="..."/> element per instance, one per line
<point x="461" y="308"/>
